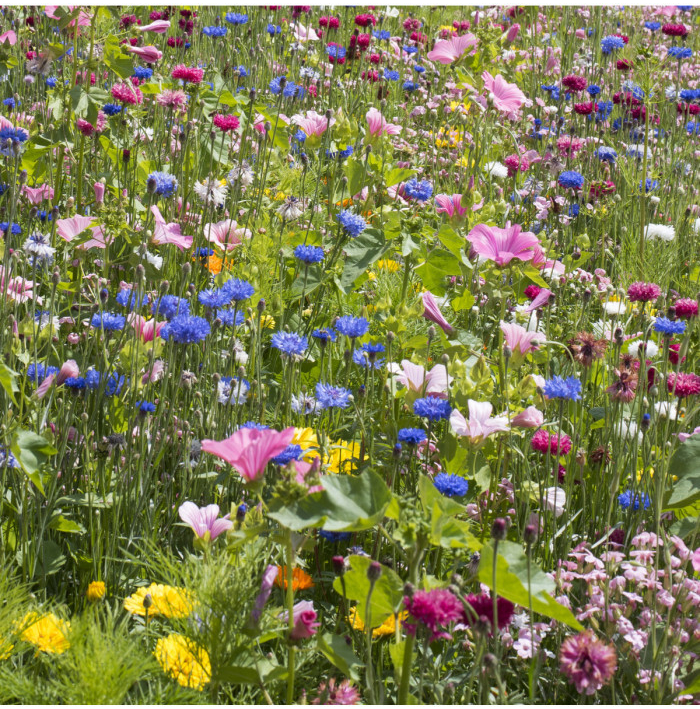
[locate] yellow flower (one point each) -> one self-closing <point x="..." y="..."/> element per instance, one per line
<point x="307" y="440"/>
<point x="267" y="321"/>
<point x="96" y="591"/>
<point x="388" y="627"/>
<point x="184" y="661"/>
<point x="167" y="601"/>
<point x="6" y="649"/>
<point x="388" y="265"/>
<point x="48" y="632"/>
<point x="371" y="275"/>
<point x="341" y="455"/>
<point x="280" y="196"/>
<point x="640" y="473"/>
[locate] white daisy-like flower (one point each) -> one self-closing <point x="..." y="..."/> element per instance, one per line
<point x="233" y="391"/>
<point x="292" y="208"/>
<point x="239" y="353"/>
<point x="628" y="429"/>
<point x="666" y="409"/>
<point x="660" y="231"/>
<point x="496" y="169"/>
<point x="615" y="307"/>
<point x="242" y="172"/>
<point x="212" y="191"/>
<point x="650" y="349"/>
<point x="155" y="260"/>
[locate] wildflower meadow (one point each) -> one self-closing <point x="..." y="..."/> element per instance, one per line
<point x="349" y="355"/>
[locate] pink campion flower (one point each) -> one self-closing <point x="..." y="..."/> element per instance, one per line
<point x="68" y="229"/>
<point x="159" y="27"/>
<point x="432" y="312"/>
<point x="378" y="125"/>
<point x="9" y="37"/>
<point x="313" y="124"/>
<point x="146" y="330"/>
<point x="480" y="424"/>
<point x="450" y="205"/>
<point x="249" y="450"/>
<point x="304" y="618"/>
<point x="68" y="369"/>
<point x="205" y="521"/>
<point x="503" y="245"/>
<point x="521" y="341"/>
<point x="450" y="50"/>
<point x="36" y="195"/>
<point x="506" y="97"/>
<point x="414" y="377"/>
<point x="148" y="54"/>
<point x="165" y="233"/>
<point x="154" y="373"/>
<point x="589" y="663"/>
<point x="226" y="234"/>
<point x="531" y="417"/>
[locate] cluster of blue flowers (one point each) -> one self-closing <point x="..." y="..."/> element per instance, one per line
<point x="570" y="179"/>
<point x="165" y="183"/>
<point x="669" y="327"/>
<point x="332" y="397"/>
<point x="351" y="327"/>
<point x="432" y="408"/>
<point x="108" y="321"/>
<point x="169" y="306"/>
<point x="309" y="254"/>
<point x="186" y="329"/>
<point x="353" y="224"/>
<point x="290" y="343"/>
<point x="128" y="298"/>
<point x="422" y="191"/>
<point x="215" y="31"/>
<point x="236" y="18"/>
<point x="627" y="500"/>
<point x="611" y="43"/>
<point x="412" y="436"/>
<point x="560" y="388"/>
<point x="451" y="485"/>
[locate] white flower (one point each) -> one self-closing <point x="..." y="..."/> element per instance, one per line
<point x="554" y="500"/>
<point x="660" y="231"/>
<point x="637" y="151"/>
<point x="650" y="349"/>
<point x="213" y="191"/>
<point x="304" y="404"/>
<point x="242" y="172"/>
<point x="233" y="391"/>
<point x="496" y="169"/>
<point x="615" y="307"/>
<point x="38" y="246"/>
<point x="666" y="409"/>
<point x="292" y="208"/>
<point x="628" y="429"/>
<point x="696" y="226"/>
<point x="154" y="260"/>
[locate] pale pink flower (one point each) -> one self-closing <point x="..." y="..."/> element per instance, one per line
<point x="83" y="17"/>
<point x="531" y="417"/>
<point x="520" y="340"/>
<point x="170" y="98"/>
<point x="503" y="245"/>
<point x="8" y="36"/>
<point x="68" y="369"/>
<point x="450" y="205"/>
<point x="149" y="54"/>
<point x="154" y="373"/>
<point x="226" y="234"/>
<point x="554" y="500"/>
<point x="204" y="520"/>
<point x="158" y="26"/>
<point x="99" y="189"/>
<point x="68" y="229"/>
<point x="44" y="387"/>
<point x="480" y="424"/>
<point x="313" y="124"/>
<point x="378" y="125"/>
<point x="36" y="195"/>
<point x="249" y="450"/>
<point x="304" y="34"/>
<point x="432" y="312"/>
<point x="17" y="288"/>
<point x="169" y="233"/>
<point x="414" y="377"/>
<point x="696" y="560"/>
<point x="506" y="97"/>
<point x="147" y="330"/>
<point x="450" y="50"/>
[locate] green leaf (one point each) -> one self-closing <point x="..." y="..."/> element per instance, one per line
<point x="386" y="596"/>
<point x="463" y="302"/>
<point x="511" y="582"/>
<point x="534" y="275"/>
<point x="348" y="503"/>
<point x="32" y="450"/>
<point x="121" y="64"/>
<point x="8" y="381"/>
<point x="62" y="524"/>
<point x="355" y="172"/>
<point x="452" y="241"/>
<point x="685" y="465"/>
<point x="339" y="653"/>
<point x="398" y="174"/>
<point x="360" y="253"/>
<point x="437" y="267"/>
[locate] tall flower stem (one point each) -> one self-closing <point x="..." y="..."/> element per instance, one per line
<point x="290" y="622"/>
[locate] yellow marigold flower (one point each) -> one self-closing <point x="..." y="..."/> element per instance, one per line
<point x="96" y="591"/>
<point x="307" y="440"/>
<point x="388" y="627"/>
<point x="388" y="265"/>
<point x="48" y="633"/>
<point x="300" y="579"/>
<point x="167" y="601"/>
<point x="341" y="456"/>
<point x="267" y="321"/>
<point x="184" y="661"/>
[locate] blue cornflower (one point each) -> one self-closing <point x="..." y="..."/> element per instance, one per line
<point x="680" y="52"/>
<point x="334" y="536"/>
<point x="213" y="298"/>
<point x="37" y="372"/>
<point x="651" y="185"/>
<point x="358" y="357"/>
<point x="128" y="298"/>
<point x="108" y="321"/>
<point x="571" y="180"/>
<point x="145" y="407"/>
<point x="309" y="254"/>
<point x="75" y="383"/>
<point x="16" y="228"/>
<point x="432" y="408"/>
<point x="409" y="86"/>
<point x="669" y="327"/>
<point x="653" y="26"/>
<point x="324" y="334"/>
<point x="186" y="329"/>
<point x="111" y="109"/>
<point x="409" y="50"/>
<point x="115" y="383"/>
<point x="391" y="75"/>
<point x="7" y="460"/>
<point x="166" y="184"/>
<point x="143" y="73"/>
<point x="11" y="135"/>
<point x="688" y="94"/>
<point x="353" y="224"/>
<point x="290" y="343"/>
<point x="255" y="426"/>
<point x="272" y="30"/>
<point x="593" y="90"/>
<point x="332" y="397"/>
<point x="226" y="315"/>
<point x="606" y="154"/>
<point x="381" y="34"/>
<point x="10" y="102"/>
<point x="626" y="500"/>
<point x="610" y="43"/>
<point x="238" y="289"/>
<point x="560" y="388"/>
<point x="300" y="136"/>
<point x="574" y="210"/>
<point x="52" y="82"/>
<point x="92" y="378"/>
<point x="351" y="327"/>
<point x="170" y="306"/>
<point x="605" y="108"/>
<point x="236" y="18"/>
<point x="412" y="436"/>
<point x="451" y="485"/>
<point x="242" y="71"/>
<point x="215" y="31"/>
<point x="692" y="127"/>
<point x="335" y="51"/>
<point x="421" y="191"/>
<point x="419" y="69"/>
<point x="292" y="452"/>
<point x="346" y="153"/>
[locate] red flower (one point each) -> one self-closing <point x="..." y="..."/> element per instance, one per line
<point x="483" y="608"/>
<point x="675" y="30"/>
<point x="365" y="20"/>
<point x="574" y="83"/>
<point x="624" y="64"/>
<point x="585" y="109"/>
<point x="226" y="123"/>
<point x="686" y="308"/>
<point x="683" y="384"/>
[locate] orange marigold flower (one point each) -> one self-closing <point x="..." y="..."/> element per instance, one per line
<point x="300" y="579"/>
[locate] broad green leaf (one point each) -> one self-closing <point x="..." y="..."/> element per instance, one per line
<point x="534" y="275"/>
<point x="452" y="241"/>
<point x="398" y="174"/>
<point x="355" y="172"/>
<point x="339" y="653"/>
<point x="463" y="302"/>
<point x="386" y="596"/>
<point x="348" y="503"/>
<point x="62" y="524"/>
<point x="437" y="267"/>
<point x="8" y="380"/>
<point x="445" y="530"/>
<point x="685" y="465"/>
<point x="511" y="582"/>
<point x="32" y="450"/>
<point x="360" y="253"/>
<point x="116" y="60"/>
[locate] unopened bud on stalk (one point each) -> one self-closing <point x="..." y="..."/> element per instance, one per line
<point x="22" y="177"/>
<point x="374" y="572"/>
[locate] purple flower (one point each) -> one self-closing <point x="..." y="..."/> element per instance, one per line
<point x="204" y="520"/>
<point x="305" y="623"/>
<point x="268" y="581"/>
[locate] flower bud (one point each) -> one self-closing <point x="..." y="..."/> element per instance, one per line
<point x="374" y="572"/>
<point x="499" y="529"/>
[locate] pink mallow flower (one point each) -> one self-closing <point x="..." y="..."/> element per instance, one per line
<point x="305" y="623"/>
<point x="68" y="369"/>
<point x="249" y="450"/>
<point x="506" y="97"/>
<point x="148" y="54"/>
<point x="503" y="245"/>
<point x="36" y="195"/>
<point x="313" y="124"/>
<point x="226" y="234"/>
<point x="432" y="312"/>
<point x="414" y="377"/>
<point x="480" y="424"/>
<point x="450" y="205"/>
<point x="531" y="417"/>
<point x="378" y="125"/>
<point x="169" y="233"/>
<point x="450" y="50"/>
<point x="205" y="521"/>
<point x="147" y="330"/>
<point x="520" y="341"/>
<point x="159" y="27"/>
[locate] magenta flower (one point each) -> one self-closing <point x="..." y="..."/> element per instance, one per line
<point x="204" y="520"/>
<point x="503" y="245"/>
<point x="249" y="450"/>
<point x="305" y="623"/>
<point x="450" y="205"/>
<point x="337" y="694"/>
<point x="480" y="424"/>
<point x="268" y="581"/>
<point x="147" y="330"/>
<point x="149" y="54"/>
<point x="169" y="233"/>
<point x="450" y="50"/>
<point x="36" y="195"/>
<point x="506" y="97"/>
<point x="589" y="663"/>
<point x="313" y="124"/>
<point x="696" y="560"/>
<point x="432" y="312"/>
<point x="378" y="125"/>
<point x="482" y="605"/>
<point x="542" y="298"/>
<point x="432" y="610"/>
<point x="159" y="27"/>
